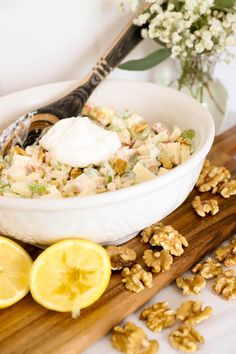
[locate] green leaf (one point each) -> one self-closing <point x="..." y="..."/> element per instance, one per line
<point x="224" y="4"/>
<point x="147" y="62"/>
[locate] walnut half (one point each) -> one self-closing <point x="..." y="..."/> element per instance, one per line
<point x="225" y="285"/>
<point x="121" y="256"/>
<point x="119" y="166"/>
<point x="208" y="269"/>
<point x="191" y="284"/>
<point x="191" y="312"/>
<point x="186" y="339"/>
<point x="158" y="316"/>
<point x="166" y="237"/>
<point x="136" y="278"/>
<point x="227" y="189"/>
<point x="211" y="176"/>
<point x="132" y="339"/>
<point x="227" y="254"/>
<point x="203" y="207"/>
<point x="158" y="261"/>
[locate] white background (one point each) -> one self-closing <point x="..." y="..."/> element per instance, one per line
<point x="53" y="40"/>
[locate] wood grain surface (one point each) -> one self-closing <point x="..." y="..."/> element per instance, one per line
<point x="28" y="328"/>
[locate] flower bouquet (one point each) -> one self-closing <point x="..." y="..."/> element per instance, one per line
<point x="197" y="33"/>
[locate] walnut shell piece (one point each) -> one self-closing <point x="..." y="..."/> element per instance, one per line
<point x="166" y="237"/>
<point x="186" y="339"/>
<point x="227" y="189"/>
<point x="191" y="284"/>
<point x="203" y="207"/>
<point x="121" y="256"/>
<point x="158" y="261"/>
<point x="158" y="316"/>
<point x="136" y="278"/>
<point x="227" y="254"/>
<point x="225" y="285"/>
<point x="191" y="312"/>
<point x="132" y="339"/>
<point x="208" y="269"/>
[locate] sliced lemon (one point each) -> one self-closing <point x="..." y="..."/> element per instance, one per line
<point x="15" y="265"/>
<point x="70" y="275"/>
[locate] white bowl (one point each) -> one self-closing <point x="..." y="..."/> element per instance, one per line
<point x="114" y="216"/>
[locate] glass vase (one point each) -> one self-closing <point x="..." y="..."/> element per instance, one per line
<point x="197" y="79"/>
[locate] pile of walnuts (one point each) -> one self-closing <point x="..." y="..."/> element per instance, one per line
<point x="134" y="276"/>
<point x="131" y="339"/>
<point x="224" y="280"/>
<point x="214" y="179"/>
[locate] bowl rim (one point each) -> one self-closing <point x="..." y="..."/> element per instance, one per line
<point x="131" y="192"/>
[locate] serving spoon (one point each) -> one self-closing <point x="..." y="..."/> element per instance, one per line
<point x="25" y="130"/>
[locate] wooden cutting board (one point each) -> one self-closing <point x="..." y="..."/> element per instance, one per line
<point x="28" y="328"/>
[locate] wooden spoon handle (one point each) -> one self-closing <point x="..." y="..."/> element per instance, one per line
<point x="72" y="104"/>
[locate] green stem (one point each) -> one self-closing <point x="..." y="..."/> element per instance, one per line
<point x="195" y="73"/>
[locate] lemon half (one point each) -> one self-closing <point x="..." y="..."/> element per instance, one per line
<point x="15" y="265"/>
<point x="70" y="275"/>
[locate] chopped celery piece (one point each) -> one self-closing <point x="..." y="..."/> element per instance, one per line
<point x="37" y="188"/>
<point x="188" y="134"/>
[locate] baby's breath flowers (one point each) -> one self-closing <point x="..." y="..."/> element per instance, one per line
<point x="189" y="27"/>
<point x="197" y="32"/>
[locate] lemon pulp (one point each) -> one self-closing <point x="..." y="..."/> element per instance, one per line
<point x="70" y="275"/>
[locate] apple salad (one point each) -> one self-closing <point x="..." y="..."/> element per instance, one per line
<point x="103" y="150"/>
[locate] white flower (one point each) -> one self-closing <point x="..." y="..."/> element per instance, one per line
<point x="226" y="23"/>
<point x="175" y="28"/>
<point x="176" y="38"/>
<point x="190" y="5"/>
<point x="206" y="35"/>
<point x="215" y="26"/>
<point x="231" y="40"/>
<point x="170" y="7"/>
<point x="142" y="19"/>
<point x="175" y="51"/>
<point x="199" y="47"/>
<point x="159" y="2"/>
<point x="155" y="8"/>
<point x="189" y="43"/>
<point x="208" y="44"/>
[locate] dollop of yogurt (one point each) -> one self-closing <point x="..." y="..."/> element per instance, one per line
<point x="78" y="142"/>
